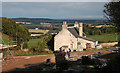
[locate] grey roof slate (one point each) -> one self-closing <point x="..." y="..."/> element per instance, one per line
<point x="75" y="32"/>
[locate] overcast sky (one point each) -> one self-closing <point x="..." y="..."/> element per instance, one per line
<point x="57" y="0"/>
<point x="62" y="10"/>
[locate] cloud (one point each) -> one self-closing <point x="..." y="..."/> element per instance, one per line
<point x="53" y="9"/>
<point x="56" y="0"/>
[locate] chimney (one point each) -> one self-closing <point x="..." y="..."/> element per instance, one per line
<point x="81" y="29"/>
<point x="64" y="26"/>
<point x="76" y="24"/>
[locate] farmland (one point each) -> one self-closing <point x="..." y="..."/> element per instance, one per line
<point x="100" y="38"/>
<point x="104" y="37"/>
<point x="34" y="42"/>
<point x="37" y="32"/>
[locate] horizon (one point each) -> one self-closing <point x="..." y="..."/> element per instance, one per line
<point x="53" y="18"/>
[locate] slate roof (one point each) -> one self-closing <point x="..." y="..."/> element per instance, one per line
<point x="75" y="32"/>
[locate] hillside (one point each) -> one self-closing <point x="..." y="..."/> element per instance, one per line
<point x="5" y="38"/>
<point x="10" y="28"/>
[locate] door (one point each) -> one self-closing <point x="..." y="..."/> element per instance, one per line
<point x="88" y="46"/>
<point x="78" y="45"/>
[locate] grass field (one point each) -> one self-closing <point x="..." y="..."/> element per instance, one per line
<point x="34" y="42"/>
<point x="105" y="37"/>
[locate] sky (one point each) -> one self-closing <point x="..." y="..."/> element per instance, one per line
<point x="57" y="0"/>
<point x="54" y="10"/>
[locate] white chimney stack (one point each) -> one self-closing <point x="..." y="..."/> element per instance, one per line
<point x="64" y="26"/>
<point x="81" y="29"/>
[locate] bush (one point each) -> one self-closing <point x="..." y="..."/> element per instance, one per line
<point x="41" y="45"/>
<point x="25" y="45"/>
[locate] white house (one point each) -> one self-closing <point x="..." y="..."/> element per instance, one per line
<point x="73" y="38"/>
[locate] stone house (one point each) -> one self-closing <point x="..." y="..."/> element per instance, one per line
<point x="74" y="38"/>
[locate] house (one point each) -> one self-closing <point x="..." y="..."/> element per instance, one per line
<point x="73" y="38"/>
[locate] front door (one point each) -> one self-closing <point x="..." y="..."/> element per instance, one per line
<point x="78" y="45"/>
<point x="88" y="46"/>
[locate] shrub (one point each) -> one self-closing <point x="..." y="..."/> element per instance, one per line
<point x="25" y="45"/>
<point x="41" y="45"/>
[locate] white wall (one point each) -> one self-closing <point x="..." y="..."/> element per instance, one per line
<point x="64" y="37"/>
<point x="84" y="42"/>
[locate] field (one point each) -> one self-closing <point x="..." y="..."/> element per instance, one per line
<point x="34" y="42"/>
<point x="104" y="38"/>
<point x="100" y="38"/>
<point x="38" y="31"/>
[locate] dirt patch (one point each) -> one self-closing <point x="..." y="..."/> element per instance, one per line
<point x="25" y="61"/>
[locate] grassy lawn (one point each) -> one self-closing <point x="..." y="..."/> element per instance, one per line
<point x="104" y="38"/>
<point x="34" y="42"/>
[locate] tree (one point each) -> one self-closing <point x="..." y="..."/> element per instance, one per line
<point x="112" y="13"/>
<point x="50" y="42"/>
<point x="10" y="28"/>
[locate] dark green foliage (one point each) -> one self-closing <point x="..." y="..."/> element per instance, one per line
<point x="112" y="12"/>
<point x="41" y="45"/>
<point x="99" y="31"/>
<point x="25" y="45"/>
<point x="46" y="42"/>
<point x="50" y="42"/>
<point x="14" y="30"/>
